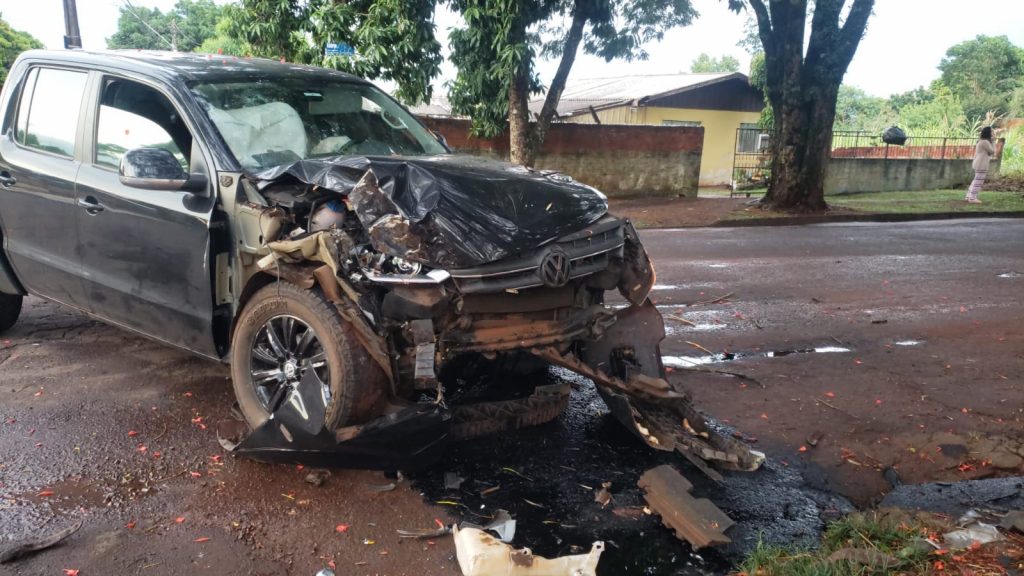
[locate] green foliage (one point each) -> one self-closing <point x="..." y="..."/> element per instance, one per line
<point x="875" y="532"/>
<point x="393" y="39"/>
<point x="12" y="43"/>
<point x="222" y="42"/>
<point x="1013" y="153"/>
<point x="707" y="63"/>
<point x="758" y="79"/>
<point x="188" y="24"/>
<point x="984" y="73"/>
<point x="502" y="38"/>
<point x="857" y="111"/>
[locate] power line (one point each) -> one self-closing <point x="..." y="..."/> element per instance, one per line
<point x="128" y="5"/>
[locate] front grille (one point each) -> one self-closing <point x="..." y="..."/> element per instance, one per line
<point x="588" y="251"/>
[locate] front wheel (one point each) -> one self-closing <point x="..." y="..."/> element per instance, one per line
<point x="10" y="309"/>
<point x="285" y="332"/>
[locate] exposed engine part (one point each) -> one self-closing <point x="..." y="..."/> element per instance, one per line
<point x="328" y="216"/>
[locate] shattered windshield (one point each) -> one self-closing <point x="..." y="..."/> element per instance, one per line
<point x="269" y="122"/>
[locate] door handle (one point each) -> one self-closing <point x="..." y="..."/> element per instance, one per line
<point x="91" y="205"/>
<point x="6" y="180"/>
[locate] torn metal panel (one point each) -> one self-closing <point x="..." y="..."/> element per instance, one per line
<point x="406" y="438"/>
<point x="638" y="276"/>
<point x="450" y="211"/>
<point x="481" y="554"/>
<point x="697" y="521"/>
<point x="625" y="364"/>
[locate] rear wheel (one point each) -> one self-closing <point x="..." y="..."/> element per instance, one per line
<point x="10" y="309"/>
<point x="286" y="332"/>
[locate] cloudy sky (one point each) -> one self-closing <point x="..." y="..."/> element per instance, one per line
<point x="905" y="40"/>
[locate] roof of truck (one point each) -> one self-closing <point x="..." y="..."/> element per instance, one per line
<point x="188" y="66"/>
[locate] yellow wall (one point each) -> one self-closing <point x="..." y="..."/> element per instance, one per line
<point x="719" y="133"/>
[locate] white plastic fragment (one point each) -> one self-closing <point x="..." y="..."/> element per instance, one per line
<point x="977" y="532"/>
<point x="481" y="554"/>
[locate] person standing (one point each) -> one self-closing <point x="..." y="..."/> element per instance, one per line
<point x="983" y="153"/>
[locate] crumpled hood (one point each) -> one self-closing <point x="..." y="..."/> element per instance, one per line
<point x="451" y="211"/>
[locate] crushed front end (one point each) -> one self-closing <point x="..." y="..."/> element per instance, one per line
<point x="443" y="264"/>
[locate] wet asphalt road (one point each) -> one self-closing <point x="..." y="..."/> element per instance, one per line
<point x="102" y="425"/>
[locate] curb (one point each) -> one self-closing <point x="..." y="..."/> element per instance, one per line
<point x="826" y="219"/>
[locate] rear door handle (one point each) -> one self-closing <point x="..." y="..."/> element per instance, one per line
<point x="6" y="180"/>
<point x="91" y="205"/>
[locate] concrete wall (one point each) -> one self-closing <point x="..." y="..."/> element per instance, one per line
<point x="881" y="175"/>
<point x="618" y="160"/>
<point x="719" y="133"/>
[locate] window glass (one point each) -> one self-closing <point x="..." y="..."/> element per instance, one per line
<point x="53" y="115"/>
<point x="23" y="105"/>
<point x="273" y="121"/>
<point x="133" y="115"/>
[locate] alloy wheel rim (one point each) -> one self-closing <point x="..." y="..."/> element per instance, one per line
<point x="284" y="351"/>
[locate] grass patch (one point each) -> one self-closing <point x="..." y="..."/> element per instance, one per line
<point x="889" y="533"/>
<point x="926" y="201"/>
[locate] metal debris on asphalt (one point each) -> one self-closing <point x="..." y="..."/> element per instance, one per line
<point x="32" y="545"/>
<point x="697" y="521"/>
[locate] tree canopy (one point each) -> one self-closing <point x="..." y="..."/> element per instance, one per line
<point x="185" y="27"/>
<point x="12" y="43"/>
<point x="496" y="50"/>
<point x="393" y="39"/>
<point x="984" y="73"/>
<point x="707" y="63"/>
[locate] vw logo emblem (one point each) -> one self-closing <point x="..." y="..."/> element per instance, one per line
<point x="554" y="268"/>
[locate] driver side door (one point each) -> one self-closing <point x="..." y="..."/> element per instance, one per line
<point x="145" y="253"/>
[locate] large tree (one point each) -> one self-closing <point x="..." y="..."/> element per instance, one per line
<point x="12" y="43"/>
<point x="984" y="73"/>
<point x="185" y="27"/>
<point x="802" y="88"/>
<point x="393" y="39"/>
<point x="708" y="63"/>
<point x="496" y="51"/>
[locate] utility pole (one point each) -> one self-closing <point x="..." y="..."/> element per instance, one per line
<point x="174" y="34"/>
<point x="72" y="36"/>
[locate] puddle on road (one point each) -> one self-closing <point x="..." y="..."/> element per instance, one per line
<point x="1010" y="275"/>
<point x="691" y="361"/>
<point x="666" y="287"/>
<point x="908" y="342"/>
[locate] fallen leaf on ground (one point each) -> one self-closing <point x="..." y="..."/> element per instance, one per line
<point x="201" y="540"/>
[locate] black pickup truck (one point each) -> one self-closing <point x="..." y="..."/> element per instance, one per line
<point x="301" y="225"/>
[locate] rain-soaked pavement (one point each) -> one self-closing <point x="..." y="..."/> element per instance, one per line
<point x="894" y="346"/>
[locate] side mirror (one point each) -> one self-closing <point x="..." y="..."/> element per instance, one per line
<point x="157" y="169"/>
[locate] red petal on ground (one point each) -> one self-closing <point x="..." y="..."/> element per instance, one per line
<point x="46" y="493"/>
<point x="830" y="394"/>
<point x="132" y="433"/>
<point x="142" y="448"/>
<point x="341" y="528"/>
<point x="179" y="520"/>
<point x="195" y="474"/>
<point x="130" y="525"/>
<point x="70" y="572"/>
<point x="201" y="540"/>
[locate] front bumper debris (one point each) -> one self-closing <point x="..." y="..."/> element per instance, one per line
<point x="481" y="554"/>
<point x="625" y="364"/>
<point x="407" y="438"/>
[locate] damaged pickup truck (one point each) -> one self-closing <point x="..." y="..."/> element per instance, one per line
<point x="302" y="226"/>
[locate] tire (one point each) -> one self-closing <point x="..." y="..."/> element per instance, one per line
<point x="10" y="309"/>
<point x="355" y="385"/>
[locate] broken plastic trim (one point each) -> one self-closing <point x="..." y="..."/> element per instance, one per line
<point x="406" y="439"/>
<point x="481" y="554"/>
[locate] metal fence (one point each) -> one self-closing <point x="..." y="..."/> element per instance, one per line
<point x="870" y="145"/>
<point x="751" y="166"/>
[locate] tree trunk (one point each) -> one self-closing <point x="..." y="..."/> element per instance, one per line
<point x="802" y="88"/>
<point x="519" y="116"/>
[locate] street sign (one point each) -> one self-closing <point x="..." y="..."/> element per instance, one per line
<point x="339" y="49"/>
